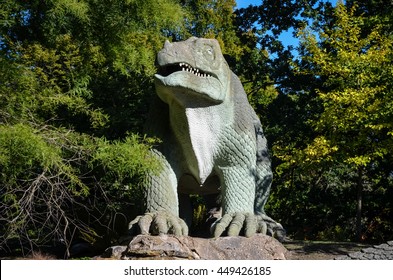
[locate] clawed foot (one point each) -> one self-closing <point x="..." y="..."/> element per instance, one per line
<point x="249" y="223"/>
<point x="270" y="227"/>
<point x="234" y="223"/>
<point x="159" y="223"/>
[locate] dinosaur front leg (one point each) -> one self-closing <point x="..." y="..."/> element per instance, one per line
<point x="162" y="207"/>
<point x="238" y="193"/>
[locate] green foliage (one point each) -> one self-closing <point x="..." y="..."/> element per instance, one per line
<point x="350" y="124"/>
<point x="331" y="112"/>
<point x="69" y="71"/>
<point x="26" y="154"/>
<point x="46" y="170"/>
<point x="122" y="160"/>
<point x="37" y="184"/>
<point x="62" y="81"/>
<point x="357" y="105"/>
<point x="213" y="19"/>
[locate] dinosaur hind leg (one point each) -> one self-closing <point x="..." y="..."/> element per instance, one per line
<point x="263" y="180"/>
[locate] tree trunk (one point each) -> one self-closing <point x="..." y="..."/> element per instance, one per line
<point x="359" y="201"/>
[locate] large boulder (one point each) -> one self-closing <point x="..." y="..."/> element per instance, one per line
<point x="257" y="247"/>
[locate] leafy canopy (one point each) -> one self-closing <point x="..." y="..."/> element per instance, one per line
<point x="356" y="122"/>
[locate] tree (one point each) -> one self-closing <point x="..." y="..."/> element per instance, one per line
<point x="74" y="74"/>
<point x="375" y="12"/>
<point x="290" y="119"/>
<point x="355" y="126"/>
<point x="284" y="101"/>
<point x="213" y="19"/>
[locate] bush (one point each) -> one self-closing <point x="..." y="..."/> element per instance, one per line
<point x="59" y="185"/>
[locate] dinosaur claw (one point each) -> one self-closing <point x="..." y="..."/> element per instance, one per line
<point x="236" y="225"/>
<point x="220" y="225"/>
<point x="250" y="225"/>
<point x="159" y="223"/>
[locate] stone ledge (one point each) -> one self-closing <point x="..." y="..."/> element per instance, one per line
<point x="258" y="247"/>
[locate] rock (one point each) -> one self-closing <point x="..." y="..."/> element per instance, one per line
<point x="356" y="255"/>
<point x="114" y="252"/>
<point x="258" y="247"/>
<point x="377" y="252"/>
<point x="382" y="246"/>
<point x="369" y="250"/>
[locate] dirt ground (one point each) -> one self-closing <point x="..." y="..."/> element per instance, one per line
<point x="321" y="250"/>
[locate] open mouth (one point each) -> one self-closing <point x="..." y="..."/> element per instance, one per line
<point x="169" y="69"/>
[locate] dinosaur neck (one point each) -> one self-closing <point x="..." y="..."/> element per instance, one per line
<point x="204" y="127"/>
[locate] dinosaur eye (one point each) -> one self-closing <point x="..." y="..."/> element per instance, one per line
<point x="209" y="52"/>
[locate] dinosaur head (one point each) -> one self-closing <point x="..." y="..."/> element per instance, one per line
<point x="192" y="70"/>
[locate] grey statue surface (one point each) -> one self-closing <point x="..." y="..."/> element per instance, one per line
<point x="212" y="143"/>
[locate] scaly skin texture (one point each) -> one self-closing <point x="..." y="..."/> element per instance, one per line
<point x="212" y="143"/>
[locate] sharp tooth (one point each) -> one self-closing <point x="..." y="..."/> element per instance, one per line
<point x="182" y="69"/>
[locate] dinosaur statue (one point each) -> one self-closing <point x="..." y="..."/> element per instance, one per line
<point x="212" y="142"/>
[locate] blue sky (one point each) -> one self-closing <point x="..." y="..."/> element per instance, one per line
<point x="246" y="3"/>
